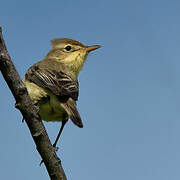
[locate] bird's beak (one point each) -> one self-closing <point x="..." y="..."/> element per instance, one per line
<point x="92" y="48"/>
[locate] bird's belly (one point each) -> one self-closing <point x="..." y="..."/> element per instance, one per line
<point x="52" y="110"/>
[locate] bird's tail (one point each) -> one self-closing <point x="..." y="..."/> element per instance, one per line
<point x="71" y="109"/>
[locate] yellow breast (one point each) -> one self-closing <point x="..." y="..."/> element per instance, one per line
<point x="35" y="92"/>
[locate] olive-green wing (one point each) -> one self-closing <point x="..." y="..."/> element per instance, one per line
<point x="58" y="82"/>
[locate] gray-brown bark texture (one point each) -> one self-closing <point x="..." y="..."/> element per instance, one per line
<point x="30" y="114"/>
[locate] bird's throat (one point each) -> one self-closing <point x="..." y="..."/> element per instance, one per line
<point x="76" y="62"/>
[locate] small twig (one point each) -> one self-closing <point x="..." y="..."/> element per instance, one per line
<point x="30" y="114"/>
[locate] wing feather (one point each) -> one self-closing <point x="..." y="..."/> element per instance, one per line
<point x="70" y="107"/>
<point x="58" y="82"/>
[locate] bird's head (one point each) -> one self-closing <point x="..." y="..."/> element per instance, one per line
<point x="70" y="52"/>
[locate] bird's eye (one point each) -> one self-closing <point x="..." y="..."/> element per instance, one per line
<point x="68" y="48"/>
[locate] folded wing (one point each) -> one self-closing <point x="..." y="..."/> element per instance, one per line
<point x="60" y="84"/>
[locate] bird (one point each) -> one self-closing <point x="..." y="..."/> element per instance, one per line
<point x="52" y="83"/>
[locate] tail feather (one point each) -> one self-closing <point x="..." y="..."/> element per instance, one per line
<point x="71" y="109"/>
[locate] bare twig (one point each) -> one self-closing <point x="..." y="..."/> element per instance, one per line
<point x="30" y="114"/>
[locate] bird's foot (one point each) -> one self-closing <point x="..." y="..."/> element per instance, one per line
<point x="41" y="162"/>
<point x="35" y="103"/>
<point x="55" y="148"/>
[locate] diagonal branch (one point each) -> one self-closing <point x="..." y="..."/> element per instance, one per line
<point x="30" y="114"/>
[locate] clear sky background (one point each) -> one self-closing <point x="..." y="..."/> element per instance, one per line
<point x="129" y="89"/>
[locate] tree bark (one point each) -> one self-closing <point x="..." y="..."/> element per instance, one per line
<point x="30" y="114"/>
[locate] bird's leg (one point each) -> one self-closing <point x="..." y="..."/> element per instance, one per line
<point x="57" y="138"/>
<point x="60" y="131"/>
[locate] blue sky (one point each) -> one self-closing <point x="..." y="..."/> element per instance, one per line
<point x="129" y="89"/>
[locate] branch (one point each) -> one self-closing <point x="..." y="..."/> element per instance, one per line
<point x="30" y="114"/>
